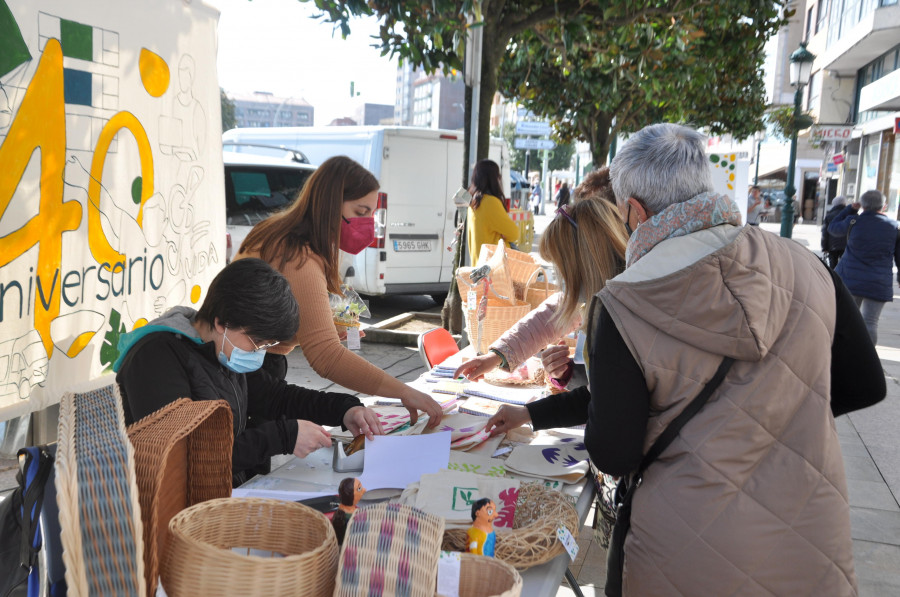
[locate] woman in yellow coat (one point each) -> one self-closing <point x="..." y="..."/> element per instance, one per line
<point x="488" y="218"/>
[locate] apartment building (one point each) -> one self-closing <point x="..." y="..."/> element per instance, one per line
<point x="431" y="100"/>
<point x="263" y="109"/>
<point x="856" y="82"/>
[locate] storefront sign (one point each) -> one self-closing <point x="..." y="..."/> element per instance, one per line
<point x="826" y="132"/>
<point x="838" y="159"/>
<point x="829" y="167"/>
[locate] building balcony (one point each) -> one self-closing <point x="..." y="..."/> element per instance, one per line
<point x="883" y="94"/>
<point x="866" y="41"/>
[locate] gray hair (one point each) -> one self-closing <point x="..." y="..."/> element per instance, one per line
<point x="660" y="165"/>
<point x="872" y="201"/>
<point x="839" y="200"/>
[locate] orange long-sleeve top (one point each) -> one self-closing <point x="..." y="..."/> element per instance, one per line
<point x="317" y="336"/>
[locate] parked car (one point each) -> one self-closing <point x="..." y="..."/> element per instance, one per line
<point x="256" y="186"/>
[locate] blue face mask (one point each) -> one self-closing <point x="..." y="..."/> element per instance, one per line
<point x="241" y="361"/>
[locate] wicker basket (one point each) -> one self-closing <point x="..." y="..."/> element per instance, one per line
<point x="390" y="549"/>
<point x="99" y="513"/>
<point x="539" y="511"/>
<point x="500" y="317"/>
<point x="481" y="576"/>
<point x="200" y="559"/>
<point x="536" y="292"/>
<point x="521" y="265"/>
<point x="182" y="455"/>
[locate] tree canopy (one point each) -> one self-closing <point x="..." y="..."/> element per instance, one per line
<point x="705" y="70"/>
<point x="432" y="33"/>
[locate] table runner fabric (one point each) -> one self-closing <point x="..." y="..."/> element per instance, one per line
<point x="97" y="494"/>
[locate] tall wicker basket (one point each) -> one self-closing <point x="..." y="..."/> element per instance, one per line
<point x="203" y="558"/>
<point x="182" y="455"/>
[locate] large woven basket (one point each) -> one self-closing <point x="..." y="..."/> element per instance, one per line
<point x="390" y="549"/>
<point x="500" y="317"/>
<point x="539" y="511"/>
<point x="97" y="494"/>
<point x="182" y="456"/>
<point x="481" y="576"/>
<point x="209" y="546"/>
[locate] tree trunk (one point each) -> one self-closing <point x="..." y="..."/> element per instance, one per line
<point x="491" y="52"/>
<point x="599" y="135"/>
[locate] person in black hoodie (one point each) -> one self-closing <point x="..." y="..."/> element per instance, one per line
<point x="207" y="354"/>
<point x="833" y="246"/>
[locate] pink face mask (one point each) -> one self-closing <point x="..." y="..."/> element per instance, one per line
<point x="356" y="234"/>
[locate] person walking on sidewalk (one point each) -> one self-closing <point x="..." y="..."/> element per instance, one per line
<point x="833" y="246"/>
<point x="873" y="247"/>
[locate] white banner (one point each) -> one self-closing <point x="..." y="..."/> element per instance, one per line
<point x="112" y="201"/>
<point x="831" y="132"/>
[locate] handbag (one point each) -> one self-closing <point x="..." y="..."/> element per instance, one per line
<point x="628" y="484"/>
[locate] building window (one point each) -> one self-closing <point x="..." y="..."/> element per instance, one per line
<point x="822" y="14"/>
<point x="814" y="90"/>
<point x="809" y="22"/>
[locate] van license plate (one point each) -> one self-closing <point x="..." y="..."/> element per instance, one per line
<point x="412" y="245"/>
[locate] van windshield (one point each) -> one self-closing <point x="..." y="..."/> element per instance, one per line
<point x="253" y="193"/>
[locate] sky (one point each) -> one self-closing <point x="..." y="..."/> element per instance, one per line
<point x="274" y="45"/>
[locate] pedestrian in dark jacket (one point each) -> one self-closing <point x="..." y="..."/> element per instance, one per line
<point x="562" y="195"/>
<point x="833" y="246"/>
<point x="872" y="248"/>
<point x="216" y="353"/>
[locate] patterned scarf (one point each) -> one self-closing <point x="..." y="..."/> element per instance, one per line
<point x="697" y="213"/>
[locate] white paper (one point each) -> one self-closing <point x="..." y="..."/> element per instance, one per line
<point x="449" y="566"/>
<point x="568" y="541"/>
<point x="395" y="462"/>
<point x="353" y="338"/>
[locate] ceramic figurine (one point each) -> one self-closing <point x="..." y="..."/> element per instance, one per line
<point x="481" y="534"/>
<point x="349" y="493"/>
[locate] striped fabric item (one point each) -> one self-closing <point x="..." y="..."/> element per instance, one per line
<point x="390" y="549"/>
<point x="97" y="497"/>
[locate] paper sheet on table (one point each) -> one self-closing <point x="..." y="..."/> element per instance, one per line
<point x="395" y="462"/>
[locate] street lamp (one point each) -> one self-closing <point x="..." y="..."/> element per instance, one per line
<point x="801" y="67"/>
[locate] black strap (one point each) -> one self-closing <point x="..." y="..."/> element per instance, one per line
<point x="667" y="436"/>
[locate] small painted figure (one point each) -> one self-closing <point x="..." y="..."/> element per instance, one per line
<point x="481" y="535"/>
<point x="349" y="493"/>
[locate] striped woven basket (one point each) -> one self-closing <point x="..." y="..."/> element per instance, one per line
<point x="250" y="547"/>
<point x="390" y="549"/>
<point x="182" y="455"/>
<point x="97" y="494"/>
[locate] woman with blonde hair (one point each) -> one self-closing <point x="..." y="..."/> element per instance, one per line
<point x="560" y="313"/>
<point x="333" y="213"/>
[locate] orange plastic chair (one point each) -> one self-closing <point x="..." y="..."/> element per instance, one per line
<point x="436" y="345"/>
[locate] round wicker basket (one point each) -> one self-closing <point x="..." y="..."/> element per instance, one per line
<point x="539" y="511"/>
<point x="201" y="558"/>
<point x="481" y="576"/>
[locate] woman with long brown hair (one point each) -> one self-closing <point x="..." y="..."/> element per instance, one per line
<point x="333" y="213"/>
<point x="488" y="219"/>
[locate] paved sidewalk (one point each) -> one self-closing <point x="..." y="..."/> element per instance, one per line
<point x="868" y="439"/>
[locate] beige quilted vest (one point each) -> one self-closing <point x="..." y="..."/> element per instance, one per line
<point x="751" y="498"/>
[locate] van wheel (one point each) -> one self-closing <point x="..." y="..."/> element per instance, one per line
<point x="439" y="297"/>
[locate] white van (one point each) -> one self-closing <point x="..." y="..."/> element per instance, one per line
<point x="419" y="171"/>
